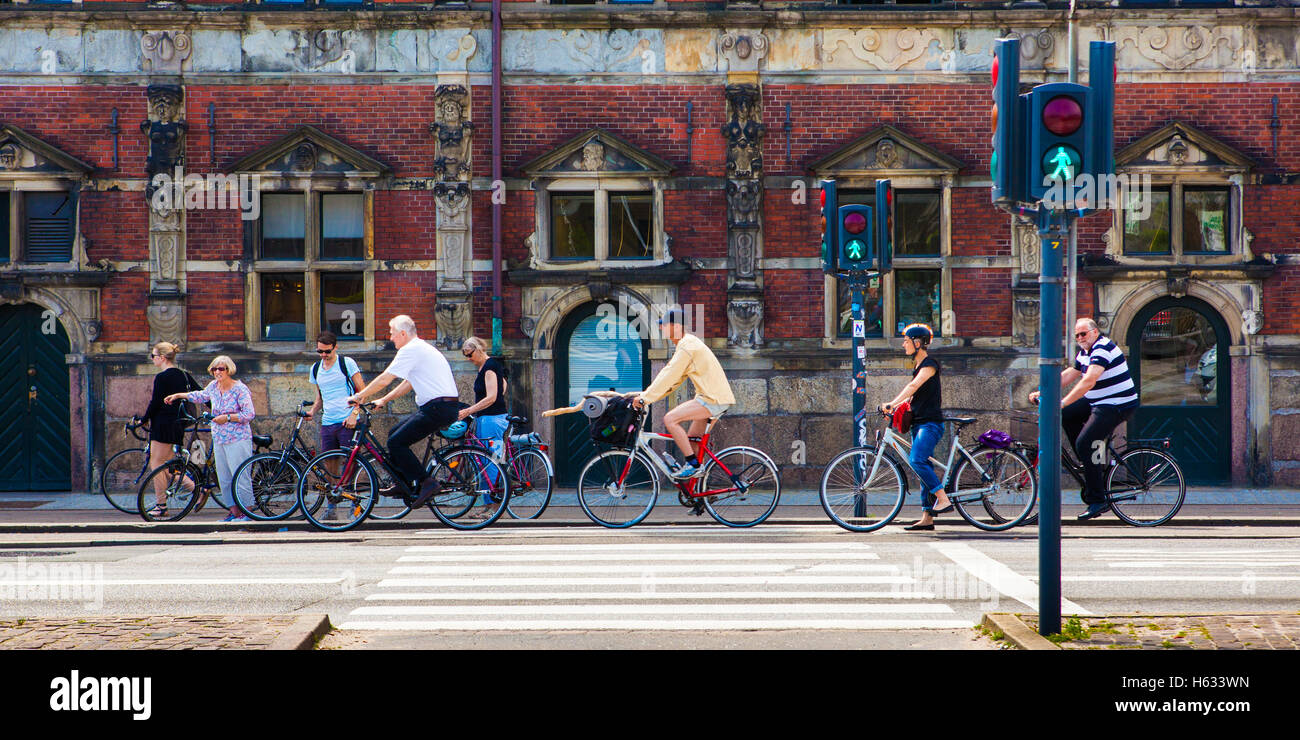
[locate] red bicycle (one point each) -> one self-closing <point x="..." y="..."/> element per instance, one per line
<point x="739" y="486"/>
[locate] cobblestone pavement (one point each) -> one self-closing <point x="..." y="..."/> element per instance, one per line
<point x="151" y="633"/>
<point x="1187" y="632"/>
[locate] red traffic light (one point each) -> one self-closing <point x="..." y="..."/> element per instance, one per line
<point x="1062" y="115"/>
<point x="855" y="223"/>
<point x="995" y="71"/>
<point x="823" y="197"/>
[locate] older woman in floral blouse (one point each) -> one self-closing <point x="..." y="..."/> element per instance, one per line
<point x="232" y="437"/>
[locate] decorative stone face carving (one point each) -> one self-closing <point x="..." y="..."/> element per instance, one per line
<point x="744" y="322"/>
<point x="886" y="154"/>
<point x="593" y="156"/>
<point x="1177" y="151"/>
<point x="304" y="157"/>
<point x="744" y="200"/>
<point x="454" y="317"/>
<point x="8" y="157"/>
<point x="452" y="128"/>
<point x="744" y="131"/>
<point x="452" y="200"/>
<point x="165" y="51"/>
<point x="165" y="131"/>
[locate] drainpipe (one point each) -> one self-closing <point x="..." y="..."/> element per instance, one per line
<point x="496" y="177"/>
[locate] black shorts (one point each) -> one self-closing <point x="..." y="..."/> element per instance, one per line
<point x="168" y="431"/>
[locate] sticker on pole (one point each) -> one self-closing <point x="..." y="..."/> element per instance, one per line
<point x="862" y="353"/>
<point x="859" y="329"/>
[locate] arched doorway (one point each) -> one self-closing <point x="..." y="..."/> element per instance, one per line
<point x="1178" y="354"/>
<point x="595" y="350"/>
<point x="35" y="434"/>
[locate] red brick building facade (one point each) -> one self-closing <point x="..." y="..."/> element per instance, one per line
<point x="661" y="153"/>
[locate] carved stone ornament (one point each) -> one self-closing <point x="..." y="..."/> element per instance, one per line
<point x="1025" y="319"/>
<point x="744" y="255"/>
<point x="165" y="249"/>
<point x="1177" y="151"/>
<point x="1029" y="249"/>
<point x="165" y="131"/>
<point x="593" y="156"/>
<point x="166" y="322"/>
<point x="454" y="319"/>
<point x="890" y="51"/>
<point x="744" y="323"/>
<point x="1177" y="284"/>
<point x="304" y="157"/>
<point x="1035" y="46"/>
<point x="452" y="201"/>
<point x="528" y="325"/>
<point x="92" y="329"/>
<point x="744" y="201"/>
<point x="743" y="130"/>
<point x="8" y="157"/>
<point x="886" y="154"/>
<point x="165" y="51"/>
<point x="743" y="51"/>
<point x="452" y="129"/>
<point x="1175" y="47"/>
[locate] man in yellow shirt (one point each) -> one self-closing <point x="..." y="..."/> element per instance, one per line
<point x="692" y="359"/>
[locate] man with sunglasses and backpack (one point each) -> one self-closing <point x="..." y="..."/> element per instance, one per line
<point x="336" y="377"/>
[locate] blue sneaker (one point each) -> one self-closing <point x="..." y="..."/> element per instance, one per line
<point x="686" y="470"/>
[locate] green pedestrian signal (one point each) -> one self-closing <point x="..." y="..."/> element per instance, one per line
<point x="854" y="232"/>
<point x="855" y="250"/>
<point x="1061" y="162"/>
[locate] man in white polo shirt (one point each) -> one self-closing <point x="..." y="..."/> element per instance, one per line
<point x="423" y="369"/>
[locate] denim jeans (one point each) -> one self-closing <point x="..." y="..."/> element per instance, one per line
<point x="492" y="430"/>
<point x="924" y="438"/>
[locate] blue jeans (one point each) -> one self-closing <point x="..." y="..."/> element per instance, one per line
<point x="492" y="430"/>
<point x="924" y="438"/>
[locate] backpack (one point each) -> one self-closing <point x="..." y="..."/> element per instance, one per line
<point x="616" y="423"/>
<point x="342" y="366"/>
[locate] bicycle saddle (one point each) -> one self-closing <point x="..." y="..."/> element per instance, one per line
<point x="960" y="421"/>
<point x="517" y="420"/>
<point x="262" y="440"/>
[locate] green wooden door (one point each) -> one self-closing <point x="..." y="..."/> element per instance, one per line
<point x="1178" y="356"/>
<point x="35" y="438"/>
<point x="595" y="351"/>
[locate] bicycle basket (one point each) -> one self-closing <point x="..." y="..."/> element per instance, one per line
<point x="996" y="439"/>
<point x="616" y="424"/>
<point x="455" y="430"/>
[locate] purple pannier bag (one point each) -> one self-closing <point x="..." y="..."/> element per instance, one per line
<point x="996" y="439"/>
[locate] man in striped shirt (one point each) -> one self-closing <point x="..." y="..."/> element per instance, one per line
<point x="1102" y="399"/>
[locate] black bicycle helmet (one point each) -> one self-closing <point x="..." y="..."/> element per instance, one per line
<point x="919" y="333"/>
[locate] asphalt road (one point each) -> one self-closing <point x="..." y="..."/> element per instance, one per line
<point x="674" y="586"/>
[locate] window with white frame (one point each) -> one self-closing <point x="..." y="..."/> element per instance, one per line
<point x="1180" y="218"/>
<point x="609" y="220"/>
<point x="309" y="264"/>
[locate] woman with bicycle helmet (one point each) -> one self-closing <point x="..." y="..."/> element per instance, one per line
<point x="926" y="394"/>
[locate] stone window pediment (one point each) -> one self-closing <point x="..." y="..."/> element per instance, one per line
<point x="24" y="155"/>
<point x="1181" y="147"/>
<point x="310" y="152"/>
<point x="883" y="152"/>
<point x="39" y="204"/>
<point x="594" y="153"/>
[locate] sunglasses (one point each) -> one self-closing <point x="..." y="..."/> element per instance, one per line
<point x="324" y="351"/>
<point x="1081" y="334"/>
<point x="467" y="352"/>
<point x="218" y="370"/>
<point x="153" y="356"/>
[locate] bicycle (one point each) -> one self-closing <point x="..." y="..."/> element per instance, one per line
<point x="177" y="499"/>
<point x="119" y="482"/>
<point x="275" y="475"/>
<point x="863" y="488"/>
<point x="461" y="475"/>
<point x="523" y="456"/>
<point x="1144" y="485"/>
<point x="739" y="486"/>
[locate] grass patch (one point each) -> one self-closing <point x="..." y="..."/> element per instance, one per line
<point x="1073" y="630"/>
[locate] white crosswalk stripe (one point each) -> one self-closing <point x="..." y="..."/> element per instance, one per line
<point x="653" y="583"/>
<point x="1183" y="564"/>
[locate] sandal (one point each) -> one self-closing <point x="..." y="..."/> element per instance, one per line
<point x="203" y="499"/>
<point x="156" y="512"/>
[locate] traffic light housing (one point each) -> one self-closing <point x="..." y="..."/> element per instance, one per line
<point x="1059" y="131"/>
<point x="884" y="226"/>
<point x="1100" y="159"/>
<point x="829" y="211"/>
<point x="1007" y="165"/>
<point x="854" y="232"/>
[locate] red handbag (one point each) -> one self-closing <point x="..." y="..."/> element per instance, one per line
<point x="902" y="420"/>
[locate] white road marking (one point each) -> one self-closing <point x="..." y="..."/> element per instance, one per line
<point x="1210" y="564"/>
<point x="999" y="576"/>
<point x="598" y="568"/>
<point x="773" y="580"/>
<point x="830" y="548"/>
<point x="660" y="624"/>
<point x="598" y="610"/>
<point x="1174" y="578"/>
<point x="643" y="595"/>
<point x="630" y="555"/>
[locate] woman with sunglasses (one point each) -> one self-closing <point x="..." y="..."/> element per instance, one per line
<point x="489" y="403"/>
<point x="165" y="427"/>
<point x="232" y="437"/>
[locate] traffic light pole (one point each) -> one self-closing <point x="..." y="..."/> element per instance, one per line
<point x="1053" y="228"/>
<point x="858" y="298"/>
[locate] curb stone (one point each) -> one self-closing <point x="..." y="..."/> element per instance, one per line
<point x="303" y="634"/>
<point x="1017" y="632"/>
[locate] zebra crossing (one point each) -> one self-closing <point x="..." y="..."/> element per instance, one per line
<point x="1232" y="564"/>
<point x="651" y="580"/>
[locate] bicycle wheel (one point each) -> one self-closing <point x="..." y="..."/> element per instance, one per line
<point x="1145" y="487"/>
<point x="753" y="487"/>
<point x="120" y="480"/>
<point x="855" y="498"/>
<point x="388" y="507"/>
<point x="608" y="502"/>
<point x="275" y="487"/>
<point x="178" y="491"/>
<point x="467" y="477"/>
<point x="347" y="496"/>
<point x="999" y="497"/>
<point x="531" y="483"/>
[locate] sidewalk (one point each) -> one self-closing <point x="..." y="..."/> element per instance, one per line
<point x="230" y="632"/>
<point x="1275" y="631"/>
